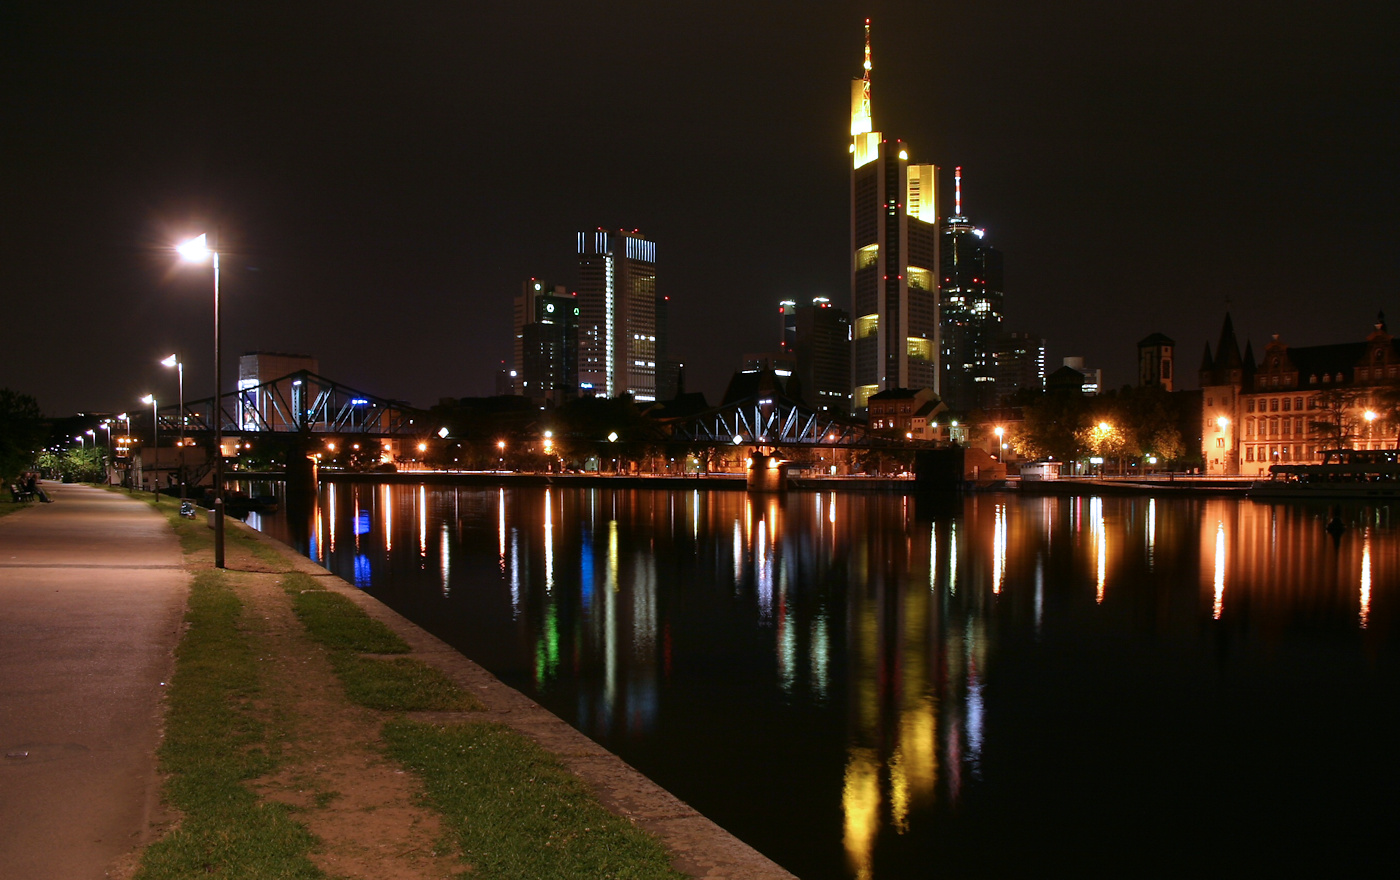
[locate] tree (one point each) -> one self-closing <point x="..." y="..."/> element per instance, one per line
<point x="1336" y="419"/>
<point x="21" y="433"/>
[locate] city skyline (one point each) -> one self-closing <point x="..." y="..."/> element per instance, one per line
<point x="382" y="184"/>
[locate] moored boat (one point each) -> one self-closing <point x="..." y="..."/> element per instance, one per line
<point x="1342" y="473"/>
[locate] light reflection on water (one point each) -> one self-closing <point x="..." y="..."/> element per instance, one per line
<point x="867" y="686"/>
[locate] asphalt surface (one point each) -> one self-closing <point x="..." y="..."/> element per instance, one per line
<point x="92" y="593"/>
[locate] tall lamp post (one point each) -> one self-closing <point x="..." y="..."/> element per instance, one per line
<point x="174" y="361"/>
<point x="126" y="417"/>
<point x="155" y="440"/>
<point x="197" y="250"/>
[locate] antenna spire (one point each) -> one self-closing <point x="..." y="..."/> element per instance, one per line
<point x="957" y="191"/>
<point x="866" y="78"/>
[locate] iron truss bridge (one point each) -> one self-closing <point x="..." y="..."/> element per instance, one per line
<point x="297" y="402"/>
<point x="774" y="420"/>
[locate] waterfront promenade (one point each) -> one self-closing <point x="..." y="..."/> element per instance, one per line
<point x="92" y="594"/>
<point x="92" y="591"/>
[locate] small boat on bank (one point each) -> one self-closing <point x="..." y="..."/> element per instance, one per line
<point x="1343" y="473"/>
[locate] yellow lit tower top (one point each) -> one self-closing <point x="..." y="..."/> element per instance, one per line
<point x="864" y="139"/>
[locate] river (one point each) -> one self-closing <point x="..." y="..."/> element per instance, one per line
<point x="878" y="686"/>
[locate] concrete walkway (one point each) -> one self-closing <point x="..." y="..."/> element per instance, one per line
<point x="92" y="592"/>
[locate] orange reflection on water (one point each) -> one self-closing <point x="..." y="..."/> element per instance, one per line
<point x="999" y="549"/>
<point x="1218" y="607"/>
<point x="387" y="503"/>
<point x="1365" y="614"/>
<point x="1096" y="524"/>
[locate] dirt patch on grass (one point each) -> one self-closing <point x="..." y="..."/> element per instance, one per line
<point x="362" y="806"/>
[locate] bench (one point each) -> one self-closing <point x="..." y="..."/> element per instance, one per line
<point x="20" y="496"/>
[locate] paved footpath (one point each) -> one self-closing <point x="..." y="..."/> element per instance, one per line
<point x="92" y="593"/>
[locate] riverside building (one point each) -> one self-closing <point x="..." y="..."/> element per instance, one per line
<point x="1295" y="402"/>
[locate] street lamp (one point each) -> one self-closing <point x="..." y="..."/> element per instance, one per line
<point x="155" y="438"/>
<point x="501" y="447"/>
<point x="179" y="365"/>
<point x="82" y="441"/>
<point x="197" y="250"/>
<point x="1001" y="447"/>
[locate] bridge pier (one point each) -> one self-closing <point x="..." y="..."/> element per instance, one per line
<point x="766" y="473"/>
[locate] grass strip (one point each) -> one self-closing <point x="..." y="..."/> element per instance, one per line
<point x="401" y="684"/>
<point x="398" y="685"/>
<point x="515" y="811"/>
<point x="337" y="622"/>
<point x="215" y="741"/>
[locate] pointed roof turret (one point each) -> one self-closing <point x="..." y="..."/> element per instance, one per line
<point x="1227" y="353"/>
<point x="1207" y="364"/>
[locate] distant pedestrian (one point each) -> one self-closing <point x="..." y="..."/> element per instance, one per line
<point x="31" y="486"/>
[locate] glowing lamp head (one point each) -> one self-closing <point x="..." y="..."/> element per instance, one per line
<point x="1222" y="421"/>
<point x="999" y="431"/>
<point x="1370" y="416"/>
<point x="170" y="361"/>
<point x="149" y="398"/>
<point x="195" y="250"/>
<point x="612" y="436"/>
<point x="1104" y="426"/>
<point x="738" y="439"/>
<point x="442" y="432"/>
<point x="422" y="447"/>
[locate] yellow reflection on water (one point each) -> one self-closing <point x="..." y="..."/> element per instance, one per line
<point x="387" y="503"/>
<point x="1365" y="615"/>
<point x="423" y="521"/>
<point x="860" y="799"/>
<point x="914" y="767"/>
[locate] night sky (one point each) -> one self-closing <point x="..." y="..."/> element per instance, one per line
<point x="385" y="175"/>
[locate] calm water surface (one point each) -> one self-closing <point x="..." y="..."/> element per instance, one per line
<point x="874" y="686"/>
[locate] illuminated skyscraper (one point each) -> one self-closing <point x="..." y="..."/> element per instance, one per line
<point x="970" y="311"/>
<point x="546" y="342"/>
<point x="618" y="311"/>
<point x="894" y="258"/>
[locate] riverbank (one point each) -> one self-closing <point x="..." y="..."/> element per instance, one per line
<point x="328" y="783"/>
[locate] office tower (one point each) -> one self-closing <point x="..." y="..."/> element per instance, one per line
<point x="822" y="344"/>
<point x="525" y="311"/>
<point x="668" y="369"/>
<point x="1019" y="360"/>
<point x="787" y="315"/>
<point x="894" y="258"/>
<point x="546" y="342"/>
<point x="970" y="311"/>
<point x="617" y="301"/>
<point x="1155" y="361"/>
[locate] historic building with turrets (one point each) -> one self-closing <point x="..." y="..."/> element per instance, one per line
<point x="1295" y="402"/>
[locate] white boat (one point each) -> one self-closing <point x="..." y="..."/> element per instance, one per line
<point x="1343" y="473"/>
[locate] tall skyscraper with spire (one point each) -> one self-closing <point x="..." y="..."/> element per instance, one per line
<point x="894" y="258"/>
<point x="619" y="336"/>
<point x="970" y="311"/>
